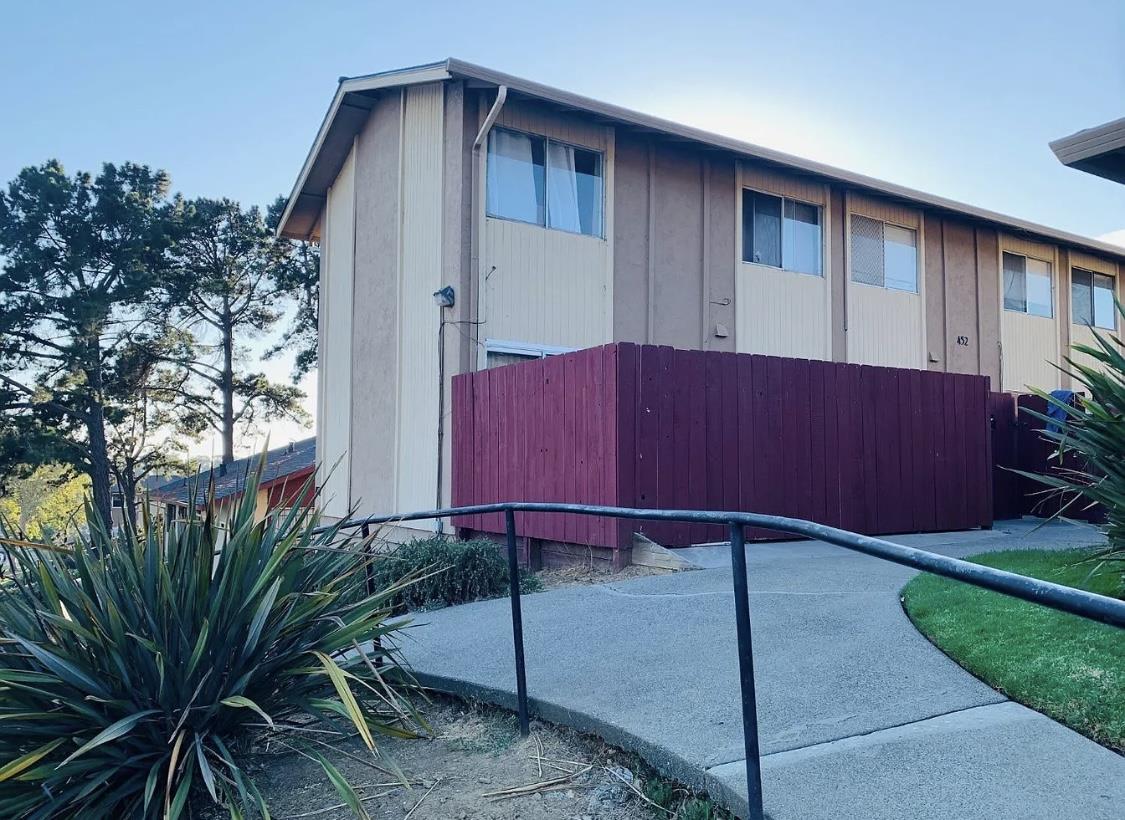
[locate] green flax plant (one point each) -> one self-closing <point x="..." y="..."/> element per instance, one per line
<point x="1089" y="459"/>
<point x="137" y="669"/>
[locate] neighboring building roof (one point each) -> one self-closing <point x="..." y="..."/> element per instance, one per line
<point x="1099" y="151"/>
<point x="281" y="463"/>
<point x="149" y="482"/>
<point x="355" y="97"/>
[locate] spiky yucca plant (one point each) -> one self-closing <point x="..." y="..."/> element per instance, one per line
<point x="134" y="668"/>
<point x="1094" y="434"/>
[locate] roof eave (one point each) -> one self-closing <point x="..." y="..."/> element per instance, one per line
<point x="431" y="72"/>
<point x="1099" y="150"/>
<point x="459" y="69"/>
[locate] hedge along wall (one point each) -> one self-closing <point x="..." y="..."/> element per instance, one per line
<point x="871" y="449"/>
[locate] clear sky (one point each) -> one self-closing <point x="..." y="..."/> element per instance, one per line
<point x="956" y="98"/>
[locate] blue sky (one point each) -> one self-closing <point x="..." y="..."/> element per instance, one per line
<point x="955" y="98"/>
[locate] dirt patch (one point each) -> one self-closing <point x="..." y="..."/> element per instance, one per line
<point x="462" y="771"/>
<point x="591" y="573"/>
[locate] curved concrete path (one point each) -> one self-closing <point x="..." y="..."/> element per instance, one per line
<point x="860" y="716"/>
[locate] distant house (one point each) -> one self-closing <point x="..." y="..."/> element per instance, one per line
<point x="144" y="488"/>
<point x="469" y="218"/>
<point x="284" y="483"/>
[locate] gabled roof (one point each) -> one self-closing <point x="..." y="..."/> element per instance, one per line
<point x="282" y="462"/>
<point x="355" y="97"/>
<point x="1099" y="150"/>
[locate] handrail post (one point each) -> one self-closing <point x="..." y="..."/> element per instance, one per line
<point x="746" y="672"/>
<point x="366" y="532"/>
<point x="517" y="619"/>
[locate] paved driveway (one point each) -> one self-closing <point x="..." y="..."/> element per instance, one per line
<point x="860" y="716"/>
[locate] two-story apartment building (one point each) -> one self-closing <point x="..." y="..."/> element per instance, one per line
<point x="549" y="222"/>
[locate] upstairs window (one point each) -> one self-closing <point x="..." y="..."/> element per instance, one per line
<point x="1027" y="285"/>
<point x="544" y="182"/>
<point x="1091" y="299"/>
<point x="883" y="254"/>
<point x="781" y="233"/>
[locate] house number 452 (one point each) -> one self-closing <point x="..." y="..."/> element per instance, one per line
<point x="963" y="341"/>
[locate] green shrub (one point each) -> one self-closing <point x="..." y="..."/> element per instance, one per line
<point x="696" y="809"/>
<point x="1094" y="432"/>
<point x="447" y="572"/>
<point x="659" y="791"/>
<point x="135" y="669"/>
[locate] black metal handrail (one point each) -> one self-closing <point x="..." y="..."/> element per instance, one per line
<point x="1079" y="602"/>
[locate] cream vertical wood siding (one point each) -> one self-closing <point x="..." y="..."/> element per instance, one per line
<point x="338" y="267"/>
<point x="543" y="286"/>
<point x="1083" y="335"/>
<point x="420" y="274"/>
<point x="1029" y="345"/>
<point x="781" y="313"/>
<point x="1030" y="350"/>
<point x="885" y="326"/>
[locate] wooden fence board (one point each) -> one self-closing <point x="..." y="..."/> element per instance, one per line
<point x="869" y="449"/>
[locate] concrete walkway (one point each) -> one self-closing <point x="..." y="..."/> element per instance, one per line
<point x="860" y="716"/>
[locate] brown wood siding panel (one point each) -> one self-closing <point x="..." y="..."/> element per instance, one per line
<point x="935" y="295"/>
<point x="837" y="245"/>
<point x="988" y="302"/>
<point x="796" y="186"/>
<point x="960" y="255"/>
<point x="721" y="254"/>
<point x="677" y="267"/>
<point x="631" y="240"/>
<point x="885" y="210"/>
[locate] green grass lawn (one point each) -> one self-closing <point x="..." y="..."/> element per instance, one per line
<point x="1058" y="664"/>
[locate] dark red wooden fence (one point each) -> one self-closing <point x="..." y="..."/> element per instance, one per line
<point x="1007" y="486"/>
<point x="870" y="449"/>
<point x="1036" y="454"/>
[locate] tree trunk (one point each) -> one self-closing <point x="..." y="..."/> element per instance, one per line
<point x="99" y="462"/>
<point x="129" y="494"/>
<point x="95" y="429"/>
<point x="227" y="386"/>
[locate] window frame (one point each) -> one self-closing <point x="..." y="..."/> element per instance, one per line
<point x="820" y="211"/>
<point x="546" y="223"/>
<point x="919" y="263"/>
<point x="1093" y="274"/>
<point x="1053" y="315"/>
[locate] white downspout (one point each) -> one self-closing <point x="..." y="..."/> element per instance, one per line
<point x="477" y="227"/>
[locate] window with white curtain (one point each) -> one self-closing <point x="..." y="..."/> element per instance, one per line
<point x="781" y="233"/>
<point x="544" y="182"/>
<point x="1091" y="299"/>
<point x="1027" y="285"/>
<point x="884" y="254"/>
